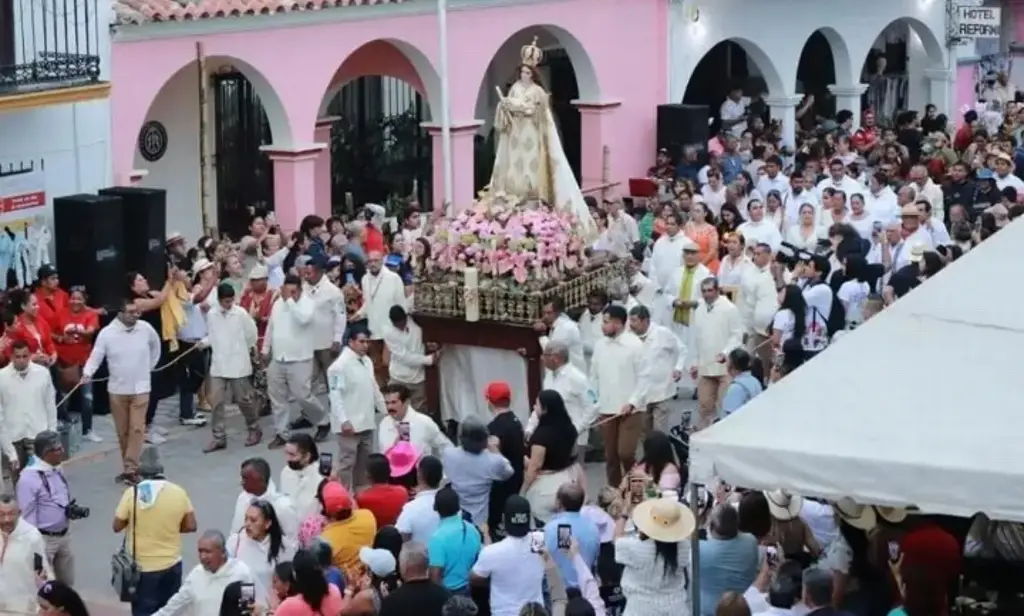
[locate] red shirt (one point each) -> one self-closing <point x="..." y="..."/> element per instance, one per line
<point x="52" y="306"/>
<point x="929" y="546"/>
<point x="385" y="502"/>
<point x="37" y="338"/>
<point x="963" y="138"/>
<point x="373" y="241"/>
<point x="76" y="345"/>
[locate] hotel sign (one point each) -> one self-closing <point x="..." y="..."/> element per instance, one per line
<point x="974" y="22"/>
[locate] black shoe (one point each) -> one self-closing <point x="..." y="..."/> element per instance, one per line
<point x="195" y="422"/>
<point x="277" y="443"/>
<point x="322" y="432"/>
<point x="300" y="424"/>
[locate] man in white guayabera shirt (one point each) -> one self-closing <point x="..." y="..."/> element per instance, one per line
<point x="132" y="350"/>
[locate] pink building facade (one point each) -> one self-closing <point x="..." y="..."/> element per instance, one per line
<point x="297" y="59"/>
<point x="969" y="55"/>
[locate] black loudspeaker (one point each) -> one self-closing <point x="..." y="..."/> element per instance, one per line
<point x="88" y="230"/>
<point x="682" y="125"/>
<point x="144" y="231"/>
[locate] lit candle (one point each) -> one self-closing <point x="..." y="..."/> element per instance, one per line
<point x="471" y="280"/>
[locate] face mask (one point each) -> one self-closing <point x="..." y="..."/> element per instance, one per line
<point x="295" y="465"/>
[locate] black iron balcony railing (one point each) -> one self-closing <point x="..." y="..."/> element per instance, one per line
<point x="47" y="44"/>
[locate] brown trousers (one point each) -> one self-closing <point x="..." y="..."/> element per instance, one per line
<point x="710" y="390"/>
<point x="129" y="413"/>
<point x="621" y="437"/>
<point x="24" y="448"/>
<point x="379" y="356"/>
<point x="238" y="391"/>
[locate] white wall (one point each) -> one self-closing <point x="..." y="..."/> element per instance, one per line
<point x="781" y="27"/>
<point x="177" y="172"/>
<point x="70" y="143"/>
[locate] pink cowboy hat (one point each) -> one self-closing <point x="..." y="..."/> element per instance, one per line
<point x="402" y="458"/>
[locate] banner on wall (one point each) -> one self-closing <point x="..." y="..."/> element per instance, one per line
<point x="22" y="194"/>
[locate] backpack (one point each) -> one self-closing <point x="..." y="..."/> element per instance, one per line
<point x="836" y="320"/>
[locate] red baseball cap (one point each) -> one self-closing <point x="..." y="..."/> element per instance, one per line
<point x="336" y="498"/>
<point x="498" y="392"/>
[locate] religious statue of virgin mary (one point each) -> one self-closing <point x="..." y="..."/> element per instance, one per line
<point x="530" y="162"/>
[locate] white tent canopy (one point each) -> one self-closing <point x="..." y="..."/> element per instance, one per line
<point x="920" y="406"/>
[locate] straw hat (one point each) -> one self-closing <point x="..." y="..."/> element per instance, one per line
<point x="917" y="252"/>
<point x="784" y="506"/>
<point x="201" y="265"/>
<point x="259" y="272"/>
<point x="909" y="210"/>
<point x="859" y="516"/>
<point x="664" y="519"/>
<point x="892" y="515"/>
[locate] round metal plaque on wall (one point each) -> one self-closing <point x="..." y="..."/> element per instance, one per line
<point x="153" y="141"/>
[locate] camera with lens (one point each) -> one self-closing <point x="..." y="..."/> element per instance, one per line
<point x="789" y="255"/>
<point x="75" y="511"/>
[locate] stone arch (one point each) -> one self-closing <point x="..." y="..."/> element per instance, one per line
<point x="933" y="48"/>
<point x="389" y="58"/>
<point x="773" y="79"/>
<point x="280" y="127"/>
<point x="841" y="58"/>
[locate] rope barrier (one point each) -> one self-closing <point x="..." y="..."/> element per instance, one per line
<point x="180" y="357"/>
<point x="609" y="418"/>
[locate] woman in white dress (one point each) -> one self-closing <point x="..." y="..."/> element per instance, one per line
<point x="735" y="263"/>
<point x="860" y="219"/>
<point x="261" y="545"/>
<point x="805" y="234"/>
<point x="529" y="161"/>
<point x="656" y="560"/>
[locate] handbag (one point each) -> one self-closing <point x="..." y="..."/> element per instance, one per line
<point x="124" y="570"/>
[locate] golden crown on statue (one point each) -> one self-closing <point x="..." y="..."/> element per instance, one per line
<point x="531" y="54"/>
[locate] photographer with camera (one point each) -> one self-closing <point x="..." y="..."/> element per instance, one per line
<point x="45" y="501"/>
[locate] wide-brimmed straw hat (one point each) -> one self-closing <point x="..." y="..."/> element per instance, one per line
<point x="784" y="506"/>
<point x="201" y="265"/>
<point x="859" y="516"/>
<point x="664" y="519"/>
<point x="892" y="515"/>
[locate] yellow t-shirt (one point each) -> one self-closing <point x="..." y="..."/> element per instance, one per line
<point x="159" y="527"/>
<point x="347" y="536"/>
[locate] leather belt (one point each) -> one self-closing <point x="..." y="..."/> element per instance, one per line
<point x="53" y="533"/>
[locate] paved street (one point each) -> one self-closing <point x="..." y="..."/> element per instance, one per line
<point x="211" y="480"/>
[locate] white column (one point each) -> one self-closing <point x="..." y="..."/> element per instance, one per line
<point x="848" y="97"/>
<point x="676" y="83"/>
<point x="784" y="108"/>
<point x="940" y="83"/>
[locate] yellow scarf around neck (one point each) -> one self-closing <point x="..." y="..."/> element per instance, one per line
<point x="682" y="313"/>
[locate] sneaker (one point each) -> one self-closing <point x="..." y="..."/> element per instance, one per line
<point x="92" y="437"/>
<point x="158" y="430"/>
<point x="197" y="422"/>
<point x="155" y="439"/>
<point x="300" y="424"/>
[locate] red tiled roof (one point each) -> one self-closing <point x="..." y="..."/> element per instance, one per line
<point x="142" y="11"/>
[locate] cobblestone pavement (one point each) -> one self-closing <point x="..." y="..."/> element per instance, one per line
<point x="211" y="480"/>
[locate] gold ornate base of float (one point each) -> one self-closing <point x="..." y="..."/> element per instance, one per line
<point x="500" y="303"/>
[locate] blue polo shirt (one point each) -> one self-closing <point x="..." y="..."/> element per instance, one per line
<point x="453" y="549"/>
<point x="588" y="538"/>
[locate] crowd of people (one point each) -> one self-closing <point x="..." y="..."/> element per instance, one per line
<point x="744" y="263"/>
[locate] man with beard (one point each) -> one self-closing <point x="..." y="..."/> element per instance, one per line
<point x="301" y="478"/>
